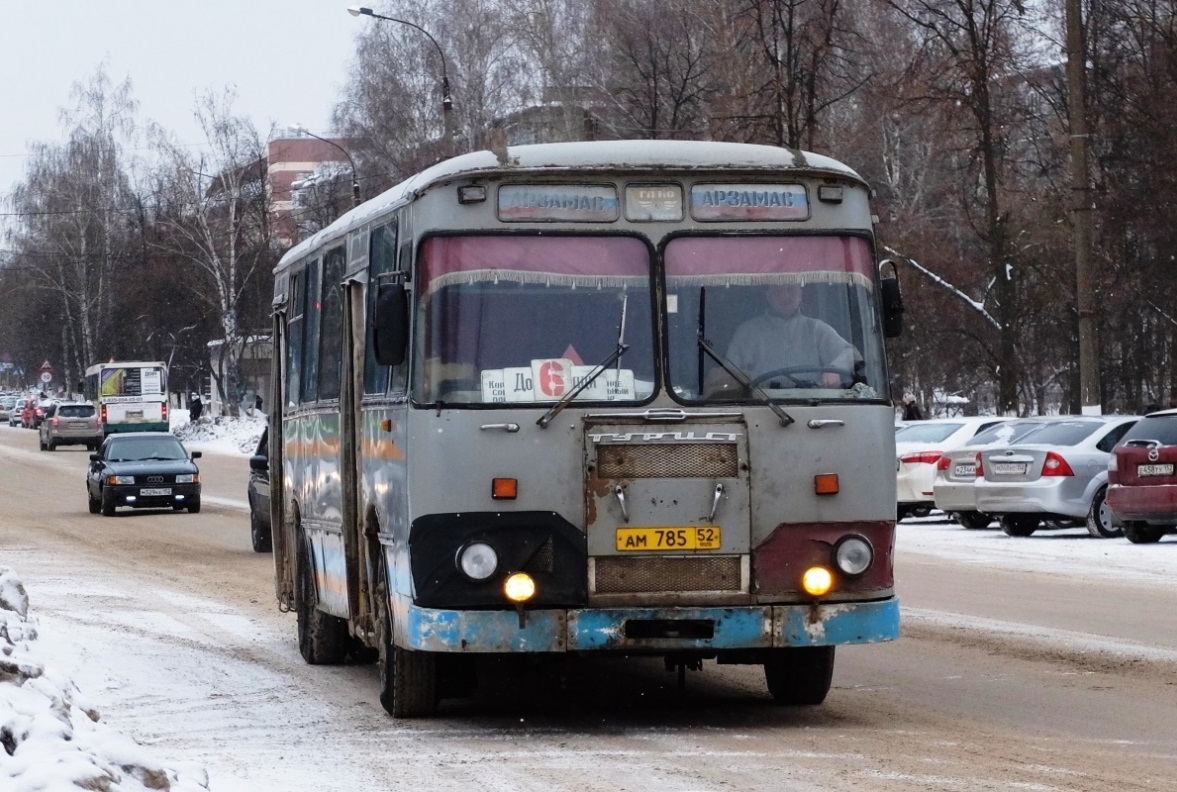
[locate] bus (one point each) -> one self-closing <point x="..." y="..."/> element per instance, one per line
<point x="131" y="396"/>
<point x="509" y="419"/>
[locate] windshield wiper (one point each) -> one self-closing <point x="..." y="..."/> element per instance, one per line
<point x="741" y="378"/>
<point x="615" y="357"/>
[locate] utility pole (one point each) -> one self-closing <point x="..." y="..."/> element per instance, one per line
<point x="1082" y="208"/>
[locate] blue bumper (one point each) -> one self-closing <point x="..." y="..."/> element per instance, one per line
<point x="645" y="629"/>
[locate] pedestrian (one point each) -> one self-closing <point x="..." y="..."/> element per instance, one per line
<point x="911" y="410"/>
<point x="195" y="407"/>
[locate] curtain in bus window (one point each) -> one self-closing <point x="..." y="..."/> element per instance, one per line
<point x="331" y="325"/>
<point x="294" y="333"/>
<point x="717" y="285"/>
<point x="518" y="318"/>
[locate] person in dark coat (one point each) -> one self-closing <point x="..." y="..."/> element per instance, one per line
<point x="911" y="410"/>
<point x="195" y="407"/>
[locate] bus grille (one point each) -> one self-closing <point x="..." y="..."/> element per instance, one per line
<point x="668" y="460"/>
<point x="630" y="575"/>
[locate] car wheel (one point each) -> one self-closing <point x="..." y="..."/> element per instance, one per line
<point x="901" y="513"/>
<point x="259" y="535"/>
<point x="921" y="511"/>
<point x="94" y="503"/>
<point x="799" y="675"/>
<point x="52" y="446"/>
<point x="974" y="521"/>
<point x="42" y="444"/>
<point x="1019" y="524"/>
<point x="194" y="505"/>
<point x="1143" y="533"/>
<point x="1099" y="517"/>
<point x="107" y="504"/>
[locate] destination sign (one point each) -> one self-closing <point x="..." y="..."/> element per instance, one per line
<point x="575" y="203"/>
<point x="646" y="202"/>
<point x="749" y="202"/>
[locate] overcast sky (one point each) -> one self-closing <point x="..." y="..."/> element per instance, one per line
<point x="288" y="60"/>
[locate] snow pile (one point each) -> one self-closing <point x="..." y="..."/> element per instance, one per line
<point x="220" y="433"/>
<point x="52" y="739"/>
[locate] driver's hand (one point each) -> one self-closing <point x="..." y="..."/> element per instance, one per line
<point x="830" y="379"/>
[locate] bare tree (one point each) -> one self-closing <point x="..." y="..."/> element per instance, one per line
<point x="213" y="213"/>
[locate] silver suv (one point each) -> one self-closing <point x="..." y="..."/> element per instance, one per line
<point x="70" y="423"/>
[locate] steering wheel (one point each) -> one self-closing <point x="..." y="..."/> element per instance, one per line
<point x="788" y="371"/>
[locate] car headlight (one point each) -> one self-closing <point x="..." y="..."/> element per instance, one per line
<point x="853" y="555"/>
<point x="186" y="478"/>
<point x="120" y="480"/>
<point x="478" y="560"/>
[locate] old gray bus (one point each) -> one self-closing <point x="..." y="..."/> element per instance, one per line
<point x="544" y="400"/>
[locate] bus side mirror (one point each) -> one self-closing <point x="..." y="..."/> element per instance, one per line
<point x="892" y="301"/>
<point x="390" y="325"/>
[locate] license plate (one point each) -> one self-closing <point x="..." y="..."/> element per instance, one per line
<point x="1009" y="468"/>
<point x="1155" y="470"/>
<point x="963" y="471"/>
<point x="154" y="492"/>
<point x="135" y="414"/>
<point x="695" y="537"/>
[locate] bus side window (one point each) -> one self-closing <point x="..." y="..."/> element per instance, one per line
<point x="381" y="261"/>
<point x="294" y="332"/>
<point x="310" y="339"/>
<point x="331" y="325"/>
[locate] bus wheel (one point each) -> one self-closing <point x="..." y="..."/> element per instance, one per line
<point x="408" y="681"/>
<point x="322" y="638"/>
<point x="800" y="675"/>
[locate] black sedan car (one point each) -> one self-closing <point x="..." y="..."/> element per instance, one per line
<point x="258" y="492"/>
<point x="143" y="470"/>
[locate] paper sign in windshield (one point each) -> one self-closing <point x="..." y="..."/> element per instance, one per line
<point x="551" y="379"/>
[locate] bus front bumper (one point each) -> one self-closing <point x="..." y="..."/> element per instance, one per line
<point x="645" y="630"/>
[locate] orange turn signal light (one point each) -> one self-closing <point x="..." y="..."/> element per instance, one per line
<point x="825" y="483"/>
<point x="504" y="488"/>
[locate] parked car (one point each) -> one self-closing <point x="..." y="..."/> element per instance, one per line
<point x="143" y="470"/>
<point x="258" y="492"/>
<point x="70" y="423"/>
<point x="1057" y="474"/>
<point x="16" y="414"/>
<point x="957" y="470"/>
<point x="918" y="448"/>
<point x="7" y="403"/>
<point x="1142" y="478"/>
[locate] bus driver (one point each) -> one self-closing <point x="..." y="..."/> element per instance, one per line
<point x="785" y="338"/>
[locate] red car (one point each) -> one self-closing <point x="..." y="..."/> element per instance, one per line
<point x="1142" y="478"/>
<point x="33" y="414"/>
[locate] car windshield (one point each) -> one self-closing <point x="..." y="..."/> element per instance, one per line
<point x="137" y="449"/>
<point x="925" y="432"/>
<point x="1064" y="433"/>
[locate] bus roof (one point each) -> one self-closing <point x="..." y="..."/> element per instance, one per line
<point x="613" y="155"/>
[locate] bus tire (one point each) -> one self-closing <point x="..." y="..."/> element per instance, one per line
<point x="800" y="675"/>
<point x="408" y="681"/>
<point x="322" y="638"/>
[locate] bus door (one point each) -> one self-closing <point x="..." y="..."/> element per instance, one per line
<point x="667" y="509"/>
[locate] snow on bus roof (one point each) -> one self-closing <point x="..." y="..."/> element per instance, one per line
<point x="632" y="155"/>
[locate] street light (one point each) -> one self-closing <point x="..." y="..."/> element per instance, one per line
<point x="447" y="102"/>
<point x="355" y="183"/>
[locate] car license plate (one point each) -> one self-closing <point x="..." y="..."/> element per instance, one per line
<point x="963" y="471"/>
<point x="154" y="492"/>
<point x="134" y="414"/>
<point x="694" y="537"/>
<point x="1009" y="468"/>
<point x="1155" y="470"/>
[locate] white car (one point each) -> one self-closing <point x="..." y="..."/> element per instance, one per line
<point x="918" y="448"/>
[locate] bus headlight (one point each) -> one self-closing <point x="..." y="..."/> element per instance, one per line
<point x="519" y="588"/>
<point x="478" y="560"/>
<point x="853" y="555"/>
<point x="817" y="581"/>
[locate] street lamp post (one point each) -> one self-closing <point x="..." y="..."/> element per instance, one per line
<point x="355" y="183"/>
<point x="447" y="102"/>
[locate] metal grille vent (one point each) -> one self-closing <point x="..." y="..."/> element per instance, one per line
<point x="668" y="460"/>
<point x="632" y="575"/>
<point x="541" y="560"/>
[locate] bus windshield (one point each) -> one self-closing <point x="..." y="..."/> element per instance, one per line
<point x="522" y="318"/>
<point x="783" y="317"/>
